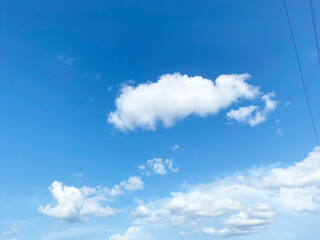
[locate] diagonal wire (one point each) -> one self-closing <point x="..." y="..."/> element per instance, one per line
<point x="302" y="78"/>
<point x="315" y="28"/>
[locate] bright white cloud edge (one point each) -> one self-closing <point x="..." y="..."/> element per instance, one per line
<point x="254" y="115"/>
<point x="174" y="97"/>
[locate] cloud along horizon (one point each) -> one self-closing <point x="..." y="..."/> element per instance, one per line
<point x="239" y="204"/>
<point x="242" y="203"/>
<point x="174" y="97"/>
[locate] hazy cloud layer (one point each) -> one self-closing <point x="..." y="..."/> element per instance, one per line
<point x="12" y="231"/>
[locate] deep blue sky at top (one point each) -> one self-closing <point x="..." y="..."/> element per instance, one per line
<point x="53" y="116"/>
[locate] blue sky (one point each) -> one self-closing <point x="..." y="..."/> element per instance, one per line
<point x="157" y="120"/>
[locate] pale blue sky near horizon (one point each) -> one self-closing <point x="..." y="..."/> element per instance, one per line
<point x="63" y="65"/>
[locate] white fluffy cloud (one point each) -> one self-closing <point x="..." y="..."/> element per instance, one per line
<point x="252" y="114"/>
<point x="304" y="173"/>
<point x="239" y="204"/>
<point x="174" y="97"/>
<point x="133" y="184"/>
<point x="242" y="114"/>
<point x="158" y="166"/>
<point x="131" y="234"/>
<point x="78" y="204"/>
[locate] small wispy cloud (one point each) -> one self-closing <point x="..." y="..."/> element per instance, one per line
<point x="279" y="132"/>
<point x="97" y="76"/>
<point x="66" y="59"/>
<point x="12" y="231"/>
<point x="158" y="166"/>
<point x="110" y="88"/>
<point x="77" y="175"/>
<point x="254" y="115"/>
<point x="175" y="147"/>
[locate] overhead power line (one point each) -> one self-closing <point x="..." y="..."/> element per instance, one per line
<point x="301" y="75"/>
<point x="315" y="28"/>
